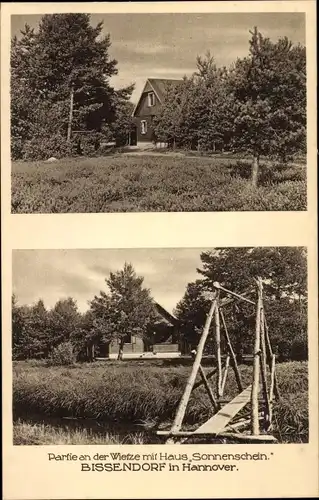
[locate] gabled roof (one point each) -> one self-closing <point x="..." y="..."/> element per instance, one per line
<point x="166" y="315"/>
<point x="158" y="85"/>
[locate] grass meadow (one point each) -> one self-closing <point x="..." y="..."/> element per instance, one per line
<point x="123" y="183"/>
<point x="137" y="396"/>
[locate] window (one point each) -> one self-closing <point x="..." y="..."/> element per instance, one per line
<point x="143" y="127"/>
<point x="151" y="99"/>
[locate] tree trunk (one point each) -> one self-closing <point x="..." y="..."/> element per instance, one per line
<point x="120" y="354"/>
<point x="255" y="170"/>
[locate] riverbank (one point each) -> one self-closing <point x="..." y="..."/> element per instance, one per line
<point x="100" y="398"/>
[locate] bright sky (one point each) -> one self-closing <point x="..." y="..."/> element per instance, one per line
<point x="55" y="274"/>
<point x="166" y="45"/>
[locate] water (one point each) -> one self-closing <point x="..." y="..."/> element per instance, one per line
<point x="123" y="431"/>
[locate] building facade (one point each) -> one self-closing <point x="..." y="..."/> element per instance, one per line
<point x="149" y="104"/>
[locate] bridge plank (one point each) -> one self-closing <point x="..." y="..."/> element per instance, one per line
<point x="218" y="422"/>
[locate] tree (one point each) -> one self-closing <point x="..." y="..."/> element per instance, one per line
<point x="196" y="113"/>
<point x="22" y="100"/>
<point x="64" y="321"/>
<point x="168" y="122"/>
<point x="284" y="271"/>
<point x="66" y="60"/>
<point x="30" y="331"/>
<point x="18" y="329"/>
<point x="270" y="94"/>
<point x="191" y="312"/>
<point x="123" y="123"/>
<point x="126" y="310"/>
<point x="212" y="104"/>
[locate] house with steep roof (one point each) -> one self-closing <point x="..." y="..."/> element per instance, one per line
<point x="163" y="342"/>
<point x="148" y="105"/>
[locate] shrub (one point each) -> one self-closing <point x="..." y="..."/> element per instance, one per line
<point x="62" y="355"/>
<point x="42" y="148"/>
<point x="299" y="348"/>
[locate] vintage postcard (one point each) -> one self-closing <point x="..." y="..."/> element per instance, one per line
<point x="160" y="275"/>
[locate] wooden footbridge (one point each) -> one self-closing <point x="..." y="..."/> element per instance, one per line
<point x="224" y="411"/>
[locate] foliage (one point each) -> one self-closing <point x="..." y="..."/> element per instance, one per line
<point x="62" y="355"/>
<point x="194" y="113"/>
<point x="123" y="123"/>
<point x="36" y="331"/>
<point x="127" y="310"/>
<point x="284" y="271"/>
<point x="67" y="57"/>
<point x="133" y="393"/>
<point x="270" y="95"/>
<point x="257" y="105"/>
<point x="30" y="331"/>
<point x="153" y="184"/>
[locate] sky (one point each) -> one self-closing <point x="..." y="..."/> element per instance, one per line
<point x="56" y="274"/>
<point x="166" y="45"/>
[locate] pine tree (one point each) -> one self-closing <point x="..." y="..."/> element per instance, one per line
<point x="66" y="61"/>
<point x="126" y="310"/>
<point x="284" y="271"/>
<point x="270" y="100"/>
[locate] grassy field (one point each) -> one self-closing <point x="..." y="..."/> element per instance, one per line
<point x="153" y="184"/>
<point x="144" y="395"/>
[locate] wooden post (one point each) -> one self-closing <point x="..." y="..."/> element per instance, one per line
<point x="191" y="380"/>
<point x="218" y="353"/>
<point x="208" y="375"/>
<point x="232" y="354"/>
<point x="208" y="388"/>
<point x="256" y="367"/>
<point x="225" y="375"/>
<point x="264" y="370"/>
<point x="276" y="389"/>
<point x="272" y="378"/>
<point x="206" y="384"/>
<point x="70" y="114"/>
<point x="271" y="390"/>
<point x="218" y="286"/>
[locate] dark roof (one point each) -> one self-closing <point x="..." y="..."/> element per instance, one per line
<point x="160" y="85"/>
<point x="166" y="315"/>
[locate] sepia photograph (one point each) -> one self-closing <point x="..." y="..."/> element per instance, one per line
<point x="163" y="112"/>
<point x="160" y="346"/>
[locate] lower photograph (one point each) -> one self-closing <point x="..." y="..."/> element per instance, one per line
<point x="160" y="346"/>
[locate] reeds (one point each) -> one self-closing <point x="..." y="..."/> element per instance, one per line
<point x="131" y="394"/>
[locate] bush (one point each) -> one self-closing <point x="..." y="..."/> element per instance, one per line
<point x="42" y="148"/>
<point x="89" y="144"/>
<point x="62" y="355"/>
<point x="299" y="348"/>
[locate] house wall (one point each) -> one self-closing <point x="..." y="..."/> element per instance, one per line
<point x="137" y="346"/>
<point x="146" y="112"/>
<point x="165" y="348"/>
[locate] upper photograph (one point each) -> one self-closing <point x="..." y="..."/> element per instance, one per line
<point x="158" y="112"/>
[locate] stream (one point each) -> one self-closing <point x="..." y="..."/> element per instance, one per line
<point x="123" y="432"/>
